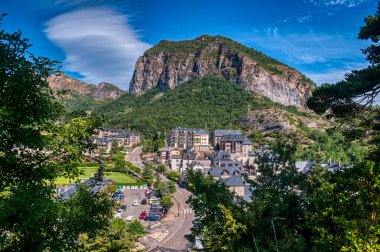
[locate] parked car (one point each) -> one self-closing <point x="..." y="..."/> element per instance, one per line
<point x="136" y="203"/>
<point x="123" y="207"/>
<point x="158" y="204"/>
<point x="149" y="196"/>
<point x="154" y="200"/>
<point x="153" y="217"/>
<point x="144" y="201"/>
<point x="156" y="208"/>
<point x="156" y="212"/>
<point x="118" y="196"/>
<point x="129" y="218"/>
<point x="149" y="192"/>
<point x="143" y="215"/>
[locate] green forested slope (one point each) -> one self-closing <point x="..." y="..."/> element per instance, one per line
<point x="208" y="102"/>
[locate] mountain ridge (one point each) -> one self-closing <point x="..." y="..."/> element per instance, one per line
<point x="171" y="63"/>
<point x="64" y="84"/>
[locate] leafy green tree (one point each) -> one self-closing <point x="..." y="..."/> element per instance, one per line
<point x="147" y="174"/>
<point x="208" y="201"/>
<point x="115" y="148"/>
<point x="161" y="168"/>
<point x="172" y="175"/>
<point x="167" y="201"/>
<point x="224" y="234"/>
<point x="136" y="229"/>
<point x="112" y="188"/>
<point x="132" y="167"/>
<point x="119" y="236"/>
<point x="102" y="150"/>
<point x="38" y="143"/>
<point x="165" y="188"/>
<point x="332" y="196"/>
<point x="120" y="163"/>
<point x="352" y="99"/>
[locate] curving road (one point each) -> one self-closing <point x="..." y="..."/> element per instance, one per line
<point x="175" y="240"/>
<point x="134" y="157"/>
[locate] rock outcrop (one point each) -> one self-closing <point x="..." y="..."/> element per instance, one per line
<point x="169" y="64"/>
<point x="63" y="83"/>
<point x="281" y="121"/>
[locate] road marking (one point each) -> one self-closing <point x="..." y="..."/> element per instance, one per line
<point x="188" y="211"/>
<point x="179" y="227"/>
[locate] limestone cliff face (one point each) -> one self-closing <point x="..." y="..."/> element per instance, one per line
<point x="101" y="91"/>
<point x="171" y="63"/>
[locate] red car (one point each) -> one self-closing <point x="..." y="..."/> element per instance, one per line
<point x="143" y="215"/>
<point x="151" y="195"/>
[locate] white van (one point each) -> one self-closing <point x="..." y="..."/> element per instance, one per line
<point x="129" y="218"/>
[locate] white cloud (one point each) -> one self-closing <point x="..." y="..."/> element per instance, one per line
<point x="98" y="44"/>
<point x="307" y="48"/>
<point x="322" y="57"/>
<point x="333" y="75"/>
<point x="344" y="3"/>
<point x="303" y="19"/>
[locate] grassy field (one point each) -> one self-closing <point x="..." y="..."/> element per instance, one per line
<point x="87" y="172"/>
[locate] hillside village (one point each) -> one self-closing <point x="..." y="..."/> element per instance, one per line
<point x="226" y="154"/>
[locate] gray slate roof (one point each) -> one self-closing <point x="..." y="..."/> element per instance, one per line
<point x="200" y="131"/>
<point x="232" y="138"/>
<point x="219" y="154"/>
<point x="247" y="142"/>
<point x="234" y="180"/>
<point x="222" y="132"/>
<point x="217" y="171"/>
<point x="227" y="163"/>
<point x="190" y="155"/>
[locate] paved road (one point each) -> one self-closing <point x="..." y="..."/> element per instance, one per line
<point x="176" y="240"/>
<point x="134" y="157"/>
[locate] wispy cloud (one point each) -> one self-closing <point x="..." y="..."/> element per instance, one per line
<point x="334" y="74"/>
<point x="323" y="57"/>
<point x="302" y="19"/>
<point x="306" y="48"/>
<point x="343" y="3"/>
<point x="98" y="43"/>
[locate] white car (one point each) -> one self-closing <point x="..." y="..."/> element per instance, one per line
<point x="136" y="203"/>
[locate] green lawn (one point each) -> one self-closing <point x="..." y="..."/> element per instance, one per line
<point x="118" y="177"/>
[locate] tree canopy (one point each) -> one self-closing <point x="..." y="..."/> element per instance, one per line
<point x="39" y="142"/>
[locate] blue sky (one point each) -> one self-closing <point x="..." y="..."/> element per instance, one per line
<point x="100" y="40"/>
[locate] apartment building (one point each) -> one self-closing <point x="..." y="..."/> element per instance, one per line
<point x="187" y="138"/>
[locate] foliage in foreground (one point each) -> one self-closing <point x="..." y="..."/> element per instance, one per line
<point x="119" y="236"/>
<point x="323" y="211"/>
<point x="40" y="142"/>
<point x="291" y="211"/>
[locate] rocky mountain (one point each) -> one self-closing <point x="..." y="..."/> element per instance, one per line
<point x="65" y="84"/>
<point x="169" y="64"/>
<point x="281" y="120"/>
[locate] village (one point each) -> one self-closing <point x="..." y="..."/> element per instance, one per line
<point x="226" y="155"/>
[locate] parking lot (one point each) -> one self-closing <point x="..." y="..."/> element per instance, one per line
<point x="130" y="196"/>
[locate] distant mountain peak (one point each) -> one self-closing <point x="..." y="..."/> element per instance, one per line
<point x="170" y="63"/>
<point x="103" y="90"/>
